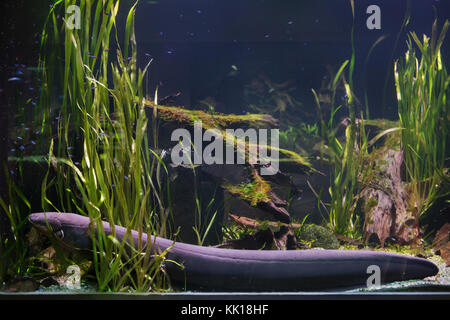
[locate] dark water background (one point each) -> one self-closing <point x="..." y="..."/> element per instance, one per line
<point x="196" y="42"/>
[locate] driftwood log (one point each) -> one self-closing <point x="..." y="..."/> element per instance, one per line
<point x="441" y="243"/>
<point x="386" y="204"/>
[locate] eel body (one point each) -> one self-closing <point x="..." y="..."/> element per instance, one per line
<point x="251" y="270"/>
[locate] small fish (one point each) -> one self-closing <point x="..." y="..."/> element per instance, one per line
<point x="14" y="79"/>
<point x="234" y="71"/>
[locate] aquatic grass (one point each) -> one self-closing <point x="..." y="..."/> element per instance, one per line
<point x="299" y="139"/>
<point x="422" y="85"/>
<point x="254" y="192"/>
<point x="65" y="54"/>
<point x="202" y="229"/>
<point x="204" y="216"/>
<point x="14" y="249"/>
<point x="113" y="180"/>
<point x="345" y="160"/>
<point x="346" y="166"/>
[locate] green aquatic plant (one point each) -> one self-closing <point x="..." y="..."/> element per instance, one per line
<point x="14" y="249"/>
<point x="202" y="228"/>
<point x="346" y="159"/>
<point x="118" y="178"/>
<point x="66" y="55"/>
<point x="235" y="231"/>
<point x="311" y="129"/>
<point x="298" y="137"/>
<point x="254" y="191"/>
<point x="422" y="93"/>
<point x="344" y="170"/>
<point x="300" y="226"/>
<point x="289" y="137"/>
<point x="351" y="165"/>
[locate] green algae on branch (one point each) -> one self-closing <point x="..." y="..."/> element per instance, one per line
<point x="211" y="120"/>
<point x="253" y="192"/>
<point x="221" y="122"/>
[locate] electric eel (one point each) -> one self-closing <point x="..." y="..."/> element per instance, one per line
<point x="250" y="270"/>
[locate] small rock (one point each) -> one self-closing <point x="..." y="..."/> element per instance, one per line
<point x="319" y="237"/>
